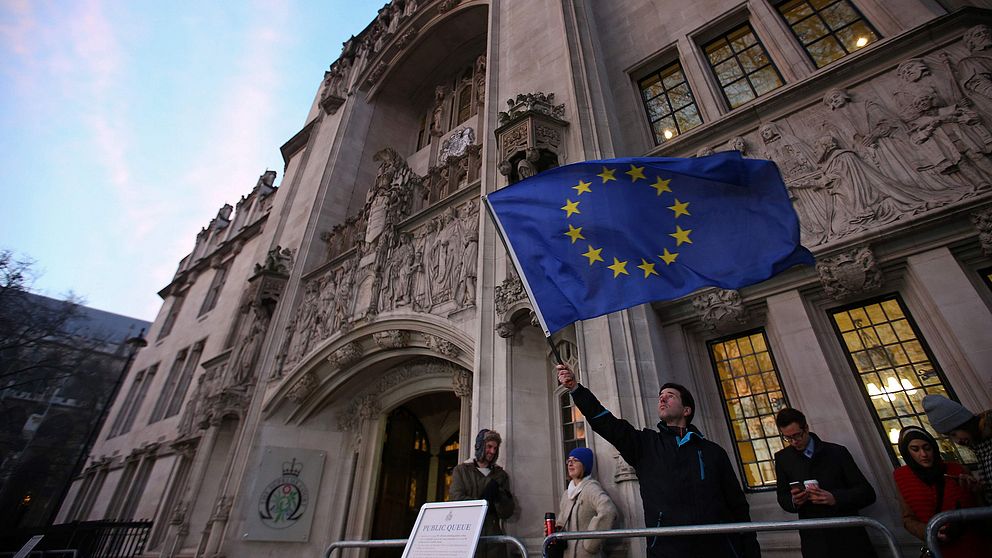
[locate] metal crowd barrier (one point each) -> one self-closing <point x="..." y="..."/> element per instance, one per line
<point x="829" y="523"/>
<point x="938" y="521"/>
<point x="512" y="541"/>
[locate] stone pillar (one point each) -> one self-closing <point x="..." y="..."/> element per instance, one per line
<point x="179" y="524"/>
<point x="222" y="509"/>
<point x="461" y="383"/>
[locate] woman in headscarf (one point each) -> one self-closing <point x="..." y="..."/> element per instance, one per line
<point x="927" y="485"/>
<point x="584" y="505"/>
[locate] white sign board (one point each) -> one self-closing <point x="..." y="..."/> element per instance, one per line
<point x="446" y="530"/>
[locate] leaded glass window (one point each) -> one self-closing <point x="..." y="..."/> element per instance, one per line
<point x="573" y="427"/>
<point x="828" y="29"/>
<point x="895" y="369"/>
<point x="752" y="395"/>
<point x="742" y="66"/>
<point x="669" y="102"/>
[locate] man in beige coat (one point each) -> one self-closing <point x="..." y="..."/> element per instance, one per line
<point x="481" y="478"/>
<point x="584" y="506"/>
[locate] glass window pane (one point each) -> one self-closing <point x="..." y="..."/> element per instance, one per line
<point x="810" y="29"/>
<point x="753" y="59"/>
<point x="688" y="118"/>
<point x="679" y="96"/>
<point x="765" y="80"/>
<point x="673" y="78"/>
<point x="742" y="38"/>
<point x="718" y="51"/>
<point x="738" y="93"/>
<point x="728" y="71"/>
<point x="856" y="36"/>
<point x="665" y="129"/>
<point x="821" y="4"/>
<point x="795" y="10"/>
<point x="838" y="15"/>
<point x="657" y="108"/>
<point x="825" y="51"/>
<point x="651" y="87"/>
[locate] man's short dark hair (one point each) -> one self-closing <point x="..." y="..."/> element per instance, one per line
<point x="685" y="396"/>
<point x="788" y="415"/>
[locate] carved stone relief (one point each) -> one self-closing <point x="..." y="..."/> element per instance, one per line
<point x="390" y="339"/>
<point x="456" y="144"/>
<point x="983" y="223"/>
<point x="345" y="356"/>
<point x="303" y="387"/>
<point x="530" y="135"/>
<point x="720" y="308"/>
<point x="366" y="405"/>
<point x="508" y="292"/>
<point x="854" y="272"/>
<point x="461" y="383"/>
<point x="623" y="472"/>
<point x="910" y="141"/>
<point x="440" y="345"/>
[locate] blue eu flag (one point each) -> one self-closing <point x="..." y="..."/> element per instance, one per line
<point x="596" y="237"/>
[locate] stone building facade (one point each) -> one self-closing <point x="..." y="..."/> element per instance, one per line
<point x="326" y="352"/>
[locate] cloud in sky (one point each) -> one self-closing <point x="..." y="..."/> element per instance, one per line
<point x="136" y="122"/>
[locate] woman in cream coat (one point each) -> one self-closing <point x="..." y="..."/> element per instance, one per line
<point x="584" y="506"/>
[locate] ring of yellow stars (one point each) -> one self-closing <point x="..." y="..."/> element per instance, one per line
<point x="661" y="185"/>
<point x="618" y="267"/>
<point x="570" y="208"/>
<point x="635" y="173"/>
<point x="647" y="267"/>
<point x="680" y="208"/>
<point x="574" y="233"/>
<point x="582" y="187"/>
<point x="607" y="175"/>
<point x="593" y="254"/>
<point x="681" y="236"/>
<point x="668" y="257"/>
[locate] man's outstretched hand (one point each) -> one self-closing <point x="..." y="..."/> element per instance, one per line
<point x="566" y="377"/>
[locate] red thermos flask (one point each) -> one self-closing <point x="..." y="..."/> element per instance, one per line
<point x="549" y="523"/>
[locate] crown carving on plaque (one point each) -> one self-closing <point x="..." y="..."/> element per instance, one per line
<point x="292" y="468"/>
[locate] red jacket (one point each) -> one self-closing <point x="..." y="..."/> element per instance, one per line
<point x="919" y="501"/>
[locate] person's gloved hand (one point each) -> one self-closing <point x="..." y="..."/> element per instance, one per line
<point x="491" y="492"/>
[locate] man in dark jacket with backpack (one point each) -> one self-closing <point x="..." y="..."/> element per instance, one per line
<point x="684" y="478"/>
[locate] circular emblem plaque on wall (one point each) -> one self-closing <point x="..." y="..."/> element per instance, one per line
<point x="285" y="499"/>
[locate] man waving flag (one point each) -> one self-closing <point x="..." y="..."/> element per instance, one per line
<point x="599" y="236"/>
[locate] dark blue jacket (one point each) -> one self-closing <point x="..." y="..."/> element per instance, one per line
<point x="688" y="481"/>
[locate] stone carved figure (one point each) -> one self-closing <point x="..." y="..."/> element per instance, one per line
<point x="737" y="143"/>
<point x="457" y="144"/>
<point x="957" y="139"/>
<point x="304" y="326"/>
<point x="527" y="165"/>
<point x="469" y="225"/>
<point x="251" y="345"/>
<point x="860" y="195"/>
<point x="437" y="116"/>
<point x="974" y="71"/>
<point x="854" y="272"/>
<point x="720" y="308"/>
<point x="480" y="79"/>
<point x="797" y="163"/>
<point x="403" y="256"/>
<point x="325" y="305"/>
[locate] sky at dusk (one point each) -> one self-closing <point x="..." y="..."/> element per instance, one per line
<point x="126" y="125"/>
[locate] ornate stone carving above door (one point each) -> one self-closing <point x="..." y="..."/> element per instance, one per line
<point x="850" y="273"/>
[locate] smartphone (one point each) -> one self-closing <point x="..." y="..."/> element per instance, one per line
<point x="795" y="484"/>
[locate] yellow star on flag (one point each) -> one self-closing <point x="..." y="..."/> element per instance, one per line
<point x="681" y="236"/>
<point x="647" y="267"/>
<point x="618" y="267"/>
<point x="574" y="233"/>
<point x="668" y="257"/>
<point x="582" y="187"/>
<point x="607" y="175"/>
<point x="570" y="208"/>
<point x="680" y="208"/>
<point x="635" y="173"/>
<point x="593" y="254"/>
<point x="661" y="185"/>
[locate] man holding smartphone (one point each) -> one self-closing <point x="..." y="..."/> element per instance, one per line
<point x="818" y="479"/>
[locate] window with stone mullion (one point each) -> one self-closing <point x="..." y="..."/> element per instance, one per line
<point x="668" y="100"/>
<point x="742" y="66"/>
<point x="573" y="426"/>
<point x="895" y="369"/>
<point x="827" y="29"/>
<point x="752" y="394"/>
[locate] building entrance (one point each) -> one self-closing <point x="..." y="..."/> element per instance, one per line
<point x="420" y="448"/>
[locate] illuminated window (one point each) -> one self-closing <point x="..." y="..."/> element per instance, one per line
<point x="669" y="102"/>
<point x="986" y="276"/>
<point x="573" y="427"/>
<point x="894" y="367"/>
<point x="742" y="66"/>
<point x="752" y="395"/>
<point x="827" y="29"/>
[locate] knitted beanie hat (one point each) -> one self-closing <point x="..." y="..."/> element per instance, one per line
<point x="945" y="415"/>
<point x="584" y="455"/>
